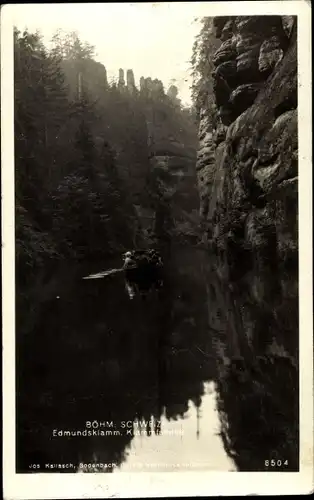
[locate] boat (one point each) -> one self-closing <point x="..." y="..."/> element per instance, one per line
<point x="142" y="265"/>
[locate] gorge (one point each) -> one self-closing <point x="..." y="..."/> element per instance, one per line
<point x="102" y="167"/>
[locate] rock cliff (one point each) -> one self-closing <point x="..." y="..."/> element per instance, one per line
<point x="247" y="170"/>
<point x="164" y="181"/>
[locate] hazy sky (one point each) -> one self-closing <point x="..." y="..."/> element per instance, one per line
<point x="152" y="39"/>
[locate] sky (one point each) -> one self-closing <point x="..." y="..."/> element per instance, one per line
<point x="155" y="40"/>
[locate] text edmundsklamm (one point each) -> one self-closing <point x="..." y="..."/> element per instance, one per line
<point x="110" y="428"/>
<point x="107" y="432"/>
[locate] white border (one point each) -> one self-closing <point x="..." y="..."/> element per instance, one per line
<point x="128" y="485"/>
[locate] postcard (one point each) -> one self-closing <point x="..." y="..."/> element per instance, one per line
<point x="156" y="237"/>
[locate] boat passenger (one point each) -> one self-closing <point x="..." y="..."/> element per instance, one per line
<point x="129" y="260"/>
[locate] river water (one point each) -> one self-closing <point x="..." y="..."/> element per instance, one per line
<point x="109" y="384"/>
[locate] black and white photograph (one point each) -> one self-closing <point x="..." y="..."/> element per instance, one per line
<point x="155" y="235"/>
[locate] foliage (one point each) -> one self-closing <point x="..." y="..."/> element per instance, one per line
<point x="204" y="47"/>
<point x="83" y="155"/>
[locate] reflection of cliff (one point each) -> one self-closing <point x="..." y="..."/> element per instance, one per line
<point x="259" y="424"/>
<point x="248" y="180"/>
<point x="257" y="385"/>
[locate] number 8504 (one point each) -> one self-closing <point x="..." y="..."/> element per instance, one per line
<point x="275" y="463"/>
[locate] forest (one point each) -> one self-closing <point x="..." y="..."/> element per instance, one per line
<point x="101" y="166"/>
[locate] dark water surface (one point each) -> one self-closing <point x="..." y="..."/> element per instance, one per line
<point x="147" y="376"/>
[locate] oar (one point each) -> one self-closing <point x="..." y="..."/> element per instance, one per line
<point x="103" y="274"/>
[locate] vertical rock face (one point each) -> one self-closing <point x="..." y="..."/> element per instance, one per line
<point x="130" y="81"/>
<point x="142" y="83"/>
<point x="251" y="48"/>
<point x="247" y="171"/>
<point x="121" y="81"/>
<point x="248" y="158"/>
<point x="150" y="86"/>
<point x="172" y="143"/>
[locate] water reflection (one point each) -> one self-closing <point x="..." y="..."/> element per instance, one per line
<point x="179" y="359"/>
<point x="95" y="356"/>
<point x="257" y="374"/>
<point x="176" y="444"/>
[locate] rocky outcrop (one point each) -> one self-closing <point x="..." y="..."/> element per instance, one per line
<point x="165" y="176"/>
<point x="150" y="87"/>
<point x="172" y="142"/>
<point x="121" y="81"/>
<point x="247" y="171"/>
<point x="251" y="47"/>
<point x="130" y="81"/>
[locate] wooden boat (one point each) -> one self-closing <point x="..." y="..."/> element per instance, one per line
<point x="142" y="265"/>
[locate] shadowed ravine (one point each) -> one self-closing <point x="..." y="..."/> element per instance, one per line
<point x="106" y="359"/>
<point x="206" y="362"/>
